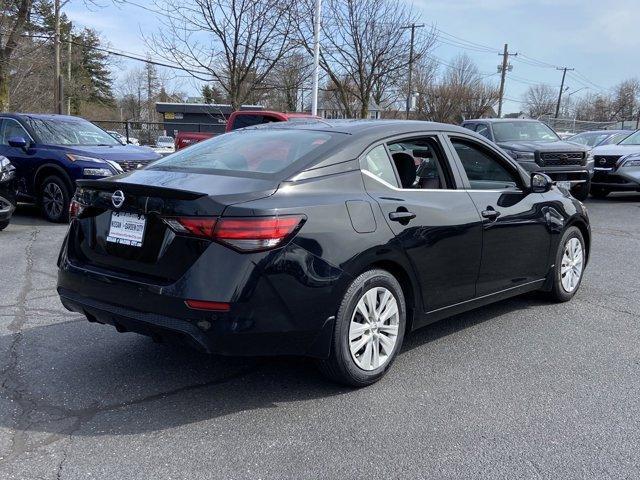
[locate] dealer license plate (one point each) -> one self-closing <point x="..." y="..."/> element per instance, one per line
<point x="127" y="228"/>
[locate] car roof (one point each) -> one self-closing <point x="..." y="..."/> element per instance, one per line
<point x="500" y="120"/>
<point x="44" y="116"/>
<point x="370" y="127"/>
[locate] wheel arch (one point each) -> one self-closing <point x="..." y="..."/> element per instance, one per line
<point x="581" y="225"/>
<point x="49" y="169"/>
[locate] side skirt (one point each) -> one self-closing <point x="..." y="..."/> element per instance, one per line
<point x="435" y="315"/>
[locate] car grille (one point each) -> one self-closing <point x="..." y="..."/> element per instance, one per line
<point x="128" y="165"/>
<point x="562" y="158"/>
<point x="605" y="161"/>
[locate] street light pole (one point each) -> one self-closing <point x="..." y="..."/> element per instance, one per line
<point x="316" y="58"/>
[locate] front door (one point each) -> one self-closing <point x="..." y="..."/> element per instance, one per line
<point x="516" y="239"/>
<point x="435" y="222"/>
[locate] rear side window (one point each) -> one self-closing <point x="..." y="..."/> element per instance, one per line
<point x="377" y="162"/>
<point x="242" y="121"/>
<point x="252" y="151"/>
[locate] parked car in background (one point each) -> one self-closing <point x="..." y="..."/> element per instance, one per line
<point x="241" y="119"/>
<point x="164" y="145"/>
<point x="617" y="167"/>
<point x="312" y="239"/>
<point x="596" y="138"/>
<point x="7" y="191"/>
<point x="51" y="152"/>
<point x="123" y="139"/>
<point x="539" y="149"/>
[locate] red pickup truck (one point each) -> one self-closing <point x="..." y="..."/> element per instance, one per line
<point x="239" y="119"/>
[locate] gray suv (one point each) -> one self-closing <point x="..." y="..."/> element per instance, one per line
<point x="539" y="149"/>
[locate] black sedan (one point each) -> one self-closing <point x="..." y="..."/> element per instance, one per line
<point x="7" y="191"/>
<point x="329" y="240"/>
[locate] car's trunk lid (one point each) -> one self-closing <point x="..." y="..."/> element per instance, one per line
<point x="161" y="255"/>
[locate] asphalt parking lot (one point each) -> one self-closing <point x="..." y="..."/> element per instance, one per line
<point x="519" y="389"/>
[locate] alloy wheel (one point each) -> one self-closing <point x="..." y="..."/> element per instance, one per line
<point x="53" y="200"/>
<point x="373" y="331"/>
<point x="572" y="265"/>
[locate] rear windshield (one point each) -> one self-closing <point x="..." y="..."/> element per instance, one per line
<point x="252" y="151"/>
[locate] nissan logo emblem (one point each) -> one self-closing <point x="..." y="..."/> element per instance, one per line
<point x="603" y="161"/>
<point x="117" y="198"/>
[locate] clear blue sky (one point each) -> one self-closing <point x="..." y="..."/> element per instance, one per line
<point x="599" y="39"/>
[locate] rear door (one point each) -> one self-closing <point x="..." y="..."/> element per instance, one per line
<point x="516" y="239"/>
<point x="435" y="221"/>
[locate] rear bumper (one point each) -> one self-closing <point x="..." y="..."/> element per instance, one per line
<point x="278" y="310"/>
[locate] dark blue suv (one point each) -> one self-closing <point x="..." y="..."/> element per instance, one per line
<point x="51" y="152"/>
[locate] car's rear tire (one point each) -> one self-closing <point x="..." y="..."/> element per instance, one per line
<point x="581" y="190"/>
<point x="369" y="330"/>
<point x="569" y="266"/>
<point x="599" y="192"/>
<point x="4" y="224"/>
<point x="54" y="199"/>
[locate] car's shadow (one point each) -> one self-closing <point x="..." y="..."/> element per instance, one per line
<point x="73" y="373"/>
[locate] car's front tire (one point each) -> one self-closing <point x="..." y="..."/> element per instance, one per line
<point x="581" y="191"/>
<point x="54" y="199"/>
<point x="369" y="330"/>
<point x="571" y="259"/>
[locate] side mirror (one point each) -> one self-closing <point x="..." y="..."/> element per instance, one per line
<point x="18" y="142"/>
<point x="540" y="183"/>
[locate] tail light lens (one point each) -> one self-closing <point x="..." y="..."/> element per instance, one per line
<point x="75" y="209"/>
<point x="246" y="234"/>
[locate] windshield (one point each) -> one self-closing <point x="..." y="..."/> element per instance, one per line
<point x="68" y="131"/>
<point x="633" y="139"/>
<point x="253" y="151"/>
<point x="523" y="131"/>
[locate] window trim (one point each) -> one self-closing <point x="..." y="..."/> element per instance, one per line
<point x="484" y="145"/>
<point x="29" y="137"/>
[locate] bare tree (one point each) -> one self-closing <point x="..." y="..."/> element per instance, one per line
<point x="287" y="81"/>
<point x="363" y="47"/>
<point x="14" y="15"/>
<point x="233" y="43"/>
<point x="540" y="99"/>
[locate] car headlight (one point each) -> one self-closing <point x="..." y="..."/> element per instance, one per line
<point x="97" y="172"/>
<point x="521" y="156"/>
<point x="7" y="170"/>
<point x="631" y="162"/>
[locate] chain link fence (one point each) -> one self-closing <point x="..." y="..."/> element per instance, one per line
<point x="573" y="125"/>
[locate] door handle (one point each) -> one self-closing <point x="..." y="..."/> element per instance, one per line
<point x="401" y="216"/>
<point x="490" y="213"/>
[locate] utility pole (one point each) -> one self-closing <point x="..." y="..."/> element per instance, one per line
<point x="506" y="66"/>
<point x="69" y="74"/>
<point x="316" y="58"/>
<point x="57" y="77"/>
<point x="413" y="27"/>
<point x="564" y="74"/>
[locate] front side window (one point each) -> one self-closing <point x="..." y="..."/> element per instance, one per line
<point x="633" y="139"/>
<point x="378" y="163"/>
<point x="253" y="151"/>
<point x="425" y="156"/>
<point x="10" y="129"/>
<point x="69" y="131"/>
<point x="484" y="131"/>
<point x="523" y="131"/>
<point x="484" y="170"/>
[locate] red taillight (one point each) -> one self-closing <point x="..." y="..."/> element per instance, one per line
<point x="209" y="306"/>
<point x="241" y="233"/>
<point x="75" y="208"/>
